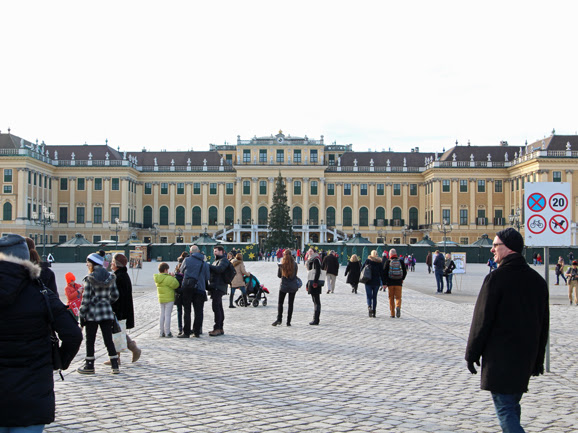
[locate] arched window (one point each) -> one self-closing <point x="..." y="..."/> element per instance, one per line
<point x="314" y="216"/>
<point x="180" y="216"/>
<point x="330" y="216"/>
<point x="413" y="212"/>
<point x="297" y="216"/>
<point x="164" y="216"/>
<point x="7" y="211"/>
<point x="229" y="215"/>
<point x="263" y="216"/>
<point x="363" y="217"/>
<point x="147" y="217"/>
<point x="380" y="213"/>
<point x="246" y="215"/>
<point x="213" y="214"/>
<point x="196" y="216"/>
<point x="396" y="214"/>
<point x="347" y="217"/>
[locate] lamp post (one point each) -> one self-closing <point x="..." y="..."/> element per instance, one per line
<point x="445" y="228"/>
<point x="515" y="218"/>
<point x="116" y="228"/>
<point x="154" y="231"/>
<point x="44" y="218"/>
<point x="406" y="231"/>
<point x="179" y="235"/>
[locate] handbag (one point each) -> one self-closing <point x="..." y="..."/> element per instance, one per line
<point x="365" y="274"/>
<point x="119" y="335"/>
<point x="299" y="283"/>
<point x="54" y="340"/>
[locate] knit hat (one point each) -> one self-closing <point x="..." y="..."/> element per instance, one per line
<point x="120" y="259"/>
<point x="14" y="245"/>
<point x="511" y="239"/>
<point x="96" y="259"/>
<point x="69" y="277"/>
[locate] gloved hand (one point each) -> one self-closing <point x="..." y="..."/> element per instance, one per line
<point x="538" y="370"/>
<point x="472" y="368"/>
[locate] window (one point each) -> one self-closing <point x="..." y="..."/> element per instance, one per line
<point x="499" y="217"/>
<point x="7" y="189"/>
<point x="331" y="159"/>
<point x="512" y="185"/>
<point x="114" y="214"/>
<point x="481" y="185"/>
<point x="180" y="188"/>
<point x="164" y="188"/>
<point x="197" y="188"/>
<point x="63" y="183"/>
<point x="347" y="189"/>
<point x="80" y="184"/>
<point x="413" y="212"/>
<point x="213" y="214"/>
<point x="446" y="216"/>
<point x="464" y="241"/>
<point x="380" y="217"/>
<point x="280" y="156"/>
<point x="463" y="217"/>
<point x="263" y="187"/>
<point x="196" y="216"/>
<point x="262" y="216"/>
<point x="463" y="185"/>
<point x="229" y="158"/>
<point x="330" y="216"/>
<point x="229" y="188"/>
<point x="297" y="216"/>
<point x="98" y="183"/>
<point x="413" y="189"/>
<point x="517" y="184"/>
<point x="246" y="155"/>
<point x="246" y="215"/>
<point x="7" y="175"/>
<point x="557" y="176"/>
<point x="262" y="155"/>
<point x="482" y="217"/>
<point x="29" y="181"/>
<point x="347" y="220"/>
<point x="80" y="215"/>
<point x="35" y="178"/>
<point x="147" y="217"/>
<point x="97" y="215"/>
<point x="61" y="239"/>
<point x="363" y="189"/>
<point x="115" y="184"/>
<point x="297" y="155"/>
<point x="445" y="185"/>
<point x="63" y="215"/>
<point x="7" y="211"/>
<point x="380" y="189"/>
<point x="246" y="187"/>
<point x="330" y="189"/>
<point x="497" y="186"/>
<point x="396" y="189"/>
<point x="313" y="154"/>
<point x="313" y="216"/>
<point x="229" y="215"/>
<point x="313" y="187"/>
<point x="148" y="188"/>
<point x="213" y="188"/>
<point x="96" y="239"/>
<point x="363" y="217"/>
<point x="164" y="216"/>
<point x="296" y="187"/>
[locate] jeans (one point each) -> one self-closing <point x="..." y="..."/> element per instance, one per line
<point x="439" y="273"/>
<point x="449" y="278"/>
<point x="39" y="428"/>
<point x="371" y="293"/>
<point x="217" y="304"/>
<point x="179" y="305"/>
<point x="106" y="331"/>
<point x="509" y="411"/>
<point x="289" y="307"/>
<point x="558" y="278"/>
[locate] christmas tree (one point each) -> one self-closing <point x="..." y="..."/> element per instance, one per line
<point x="280" y="226"/>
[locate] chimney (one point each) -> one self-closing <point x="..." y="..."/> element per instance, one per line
<point x="503" y="143"/>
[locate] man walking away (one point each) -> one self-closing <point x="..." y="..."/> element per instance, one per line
<point x="439" y="265"/>
<point x="218" y="288"/>
<point x="509" y="328"/>
<point x="331" y="266"/>
<point x="194" y="267"/>
<point x="394" y="272"/>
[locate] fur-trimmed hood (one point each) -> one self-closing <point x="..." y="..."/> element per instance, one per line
<point x="13" y="272"/>
<point x="374" y="259"/>
<point x="100" y="277"/>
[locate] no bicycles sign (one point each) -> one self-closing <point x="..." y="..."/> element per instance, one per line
<point x="548" y="214"/>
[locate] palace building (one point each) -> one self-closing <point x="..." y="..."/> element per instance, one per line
<point x="333" y="192"/>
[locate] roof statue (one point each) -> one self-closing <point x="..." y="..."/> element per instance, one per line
<point x="189" y="162"/>
<point x="124" y="155"/>
<point x="404" y="162"/>
<point x="371" y="162"/>
<point x="515" y="155"/>
<point x="454" y="157"/>
<point x="506" y="156"/>
<point x="339" y="161"/>
<point x="568" y="146"/>
<point x="56" y="154"/>
<point x="72" y="156"/>
<point x="156" y="161"/>
<point x="221" y="160"/>
<point x="21" y="142"/>
<point x="472" y="157"/>
<point x="388" y="162"/>
<point x="355" y="162"/>
<point x="90" y="156"/>
<point x="489" y="157"/>
<point x="205" y="162"/>
<point x="172" y="162"/>
<point x="106" y="155"/>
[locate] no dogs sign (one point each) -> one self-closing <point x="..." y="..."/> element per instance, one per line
<point x="547" y="214"/>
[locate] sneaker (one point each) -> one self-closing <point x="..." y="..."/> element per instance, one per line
<point x="398" y="312"/>
<point x="169" y="335"/>
<point x="162" y="334"/>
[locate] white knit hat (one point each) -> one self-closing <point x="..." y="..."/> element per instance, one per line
<point x="97" y="259"/>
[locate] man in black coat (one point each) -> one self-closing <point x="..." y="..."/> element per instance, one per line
<point x="218" y="288"/>
<point x="439" y="264"/>
<point x="509" y="329"/>
<point x="331" y="267"/>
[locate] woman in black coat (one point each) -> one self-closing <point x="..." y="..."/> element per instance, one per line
<point x="287" y="271"/>
<point x="315" y="283"/>
<point x="352" y="272"/>
<point x="26" y="371"/>
<point x="123" y="307"/>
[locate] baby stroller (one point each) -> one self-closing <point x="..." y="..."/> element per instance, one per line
<point x="255" y="292"/>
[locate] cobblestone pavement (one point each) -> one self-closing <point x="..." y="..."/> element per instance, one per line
<point x="350" y="374"/>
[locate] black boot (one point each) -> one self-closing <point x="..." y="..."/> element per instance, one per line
<point x="231" y="300"/>
<point x="114" y="364"/>
<point x="370" y="311"/>
<point x="88" y="367"/>
<point x="245" y="300"/>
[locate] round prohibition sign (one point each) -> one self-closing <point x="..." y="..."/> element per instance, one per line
<point x="558" y="224"/>
<point x="558" y="202"/>
<point x="536" y="224"/>
<point x="536" y="202"/>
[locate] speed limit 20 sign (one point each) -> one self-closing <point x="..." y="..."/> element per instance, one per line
<point x="548" y="213"/>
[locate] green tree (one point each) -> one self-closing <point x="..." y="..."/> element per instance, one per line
<point x="280" y="225"/>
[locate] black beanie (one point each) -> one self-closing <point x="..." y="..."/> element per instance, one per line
<point x="512" y="239"/>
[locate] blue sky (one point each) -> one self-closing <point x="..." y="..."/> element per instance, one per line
<point x="376" y="74"/>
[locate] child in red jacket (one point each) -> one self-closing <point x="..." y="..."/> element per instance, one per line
<point x="73" y="292"/>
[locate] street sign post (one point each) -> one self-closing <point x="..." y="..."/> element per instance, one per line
<point x="547" y="214"/>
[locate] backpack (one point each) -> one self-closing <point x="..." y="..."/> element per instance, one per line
<point x="229" y="274"/>
<point x="395" y="270"/>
